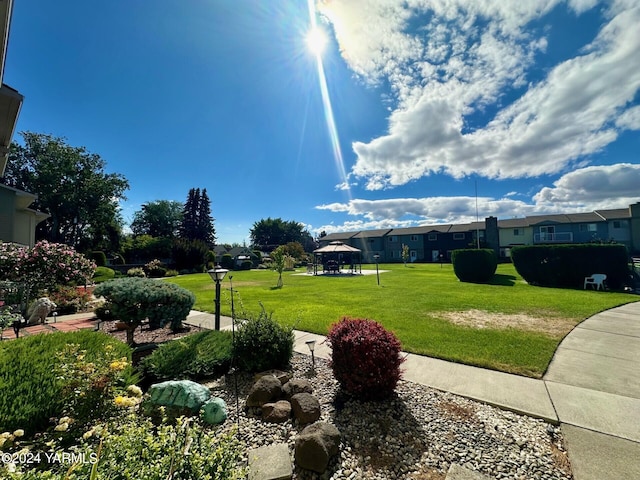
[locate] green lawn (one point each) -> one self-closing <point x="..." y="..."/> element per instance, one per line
<point x="414" y="302"/>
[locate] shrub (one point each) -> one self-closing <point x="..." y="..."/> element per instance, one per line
<point x="31" y="390"/>
<point x="104" y="313"/>
<point x="171" y="273"/>
<point x="568" y="265"/>
<point x="476" y="266"/>
<point x="190" y="254"/>
<point x="366" y="358"/>
<point x="136" y="272"/>
<point x="117" y="260"/>
<point x="155" y="269"/>
<point x="132" y="446"/>
<point x="102" y="274"/>
<point x="263" y="344"/>
<point x="99" y="258"/>
<point x="227" y="261"/>
<point x="69" y="300"/>
<point x="135" y="299"/>
<point x="45" y="266"/>
<point x="201" y="355"/>
<point x="246" y="265"/>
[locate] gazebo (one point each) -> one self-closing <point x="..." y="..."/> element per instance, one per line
<point x="335" y="256"/>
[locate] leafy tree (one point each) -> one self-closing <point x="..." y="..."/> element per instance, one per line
<point x="295" y="250"/>
<point x="72" y="187"/>
<point x="405" y="254"/>
<point x="267" y="234"/>
<point x="197" y="223"/>
<point x="278" y="260"/>
<point x="161" y="218"/>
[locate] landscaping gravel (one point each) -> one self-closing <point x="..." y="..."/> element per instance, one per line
<point x="417" y="434"/>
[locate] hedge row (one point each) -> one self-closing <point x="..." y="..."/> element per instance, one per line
<point x="568" y="265"/>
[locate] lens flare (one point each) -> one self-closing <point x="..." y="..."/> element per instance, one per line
<point x="326" y="100"/>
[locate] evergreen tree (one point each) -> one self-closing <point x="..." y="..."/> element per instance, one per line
<point x="197" y="223"/>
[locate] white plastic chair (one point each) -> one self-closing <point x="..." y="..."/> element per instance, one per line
<point x="596" y="280"/>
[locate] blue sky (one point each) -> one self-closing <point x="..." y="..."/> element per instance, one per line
<point x="535" y="104"/>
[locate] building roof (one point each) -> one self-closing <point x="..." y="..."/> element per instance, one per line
<point x="372" y="233"/>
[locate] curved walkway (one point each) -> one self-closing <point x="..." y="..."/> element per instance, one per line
<point x="592" y="388"/>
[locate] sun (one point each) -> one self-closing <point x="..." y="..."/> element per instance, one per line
<point x="316" y="41"/>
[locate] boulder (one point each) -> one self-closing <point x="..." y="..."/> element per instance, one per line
<point x="180" y="394"/>
<point x="214" y="411"/>
<point x="296" y="385"/>
<point x="266" y="390"/>
<point x="306" y="408"/>
<point x="277" y="412"/>
<point x="39" y="311"/>
<point x="315" y="446"/>
<point x="284" y="377"/>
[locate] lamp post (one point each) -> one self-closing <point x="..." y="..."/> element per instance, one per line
<point x="312" y="346"/>
<point x="376" y="257"/>
<point x="217" y="275"/>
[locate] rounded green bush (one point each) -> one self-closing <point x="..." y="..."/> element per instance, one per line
<point x="365" y="358"/>
<point x="475" y="266"/>
<point x="263" y="344"/>
<point x="103" y="274"/>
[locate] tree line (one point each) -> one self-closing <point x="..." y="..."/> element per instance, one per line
<point x="82" y="202"/>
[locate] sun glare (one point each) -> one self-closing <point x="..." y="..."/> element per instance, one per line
<point x="316" y="41"/>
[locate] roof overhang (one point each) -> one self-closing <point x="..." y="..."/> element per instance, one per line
<point x="10" y="104"/>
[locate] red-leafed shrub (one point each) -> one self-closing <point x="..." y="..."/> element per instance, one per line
<point x="366" y="358"/>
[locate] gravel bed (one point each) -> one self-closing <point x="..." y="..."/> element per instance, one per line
<point x="417" y="434"/>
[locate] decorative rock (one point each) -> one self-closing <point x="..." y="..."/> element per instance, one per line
<point x="267" y="389"/>
<point x="214" y="411"/>
<point x="39" y="310"/>
<point x="456" y="472"/>
<point x="276" y="412"/>
<point x="284" y="377"/>
<point x="296" y="385"/>
<point x="180" y="394"/>
<point x="270" y="462"/>
<point x="315" y="445"/>
<point x="306" y="407"/>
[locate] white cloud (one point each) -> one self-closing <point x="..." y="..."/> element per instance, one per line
<point x="583" y="190"/>
<point x="596" y="187"/>
<point x="463" y="60"/>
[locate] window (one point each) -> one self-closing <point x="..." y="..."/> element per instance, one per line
<point x="393" y="238"/>
<point x="433" y="237"/>
<point x="414" y="238"/>
<point x="588" y="227"/>
<point x="458" y="236"/>
<point x="517" y="232"/>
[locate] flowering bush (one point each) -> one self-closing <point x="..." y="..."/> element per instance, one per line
<point x="45" y="266"/>
<point x="366" y="358"/>
<point x="69" y="299"/>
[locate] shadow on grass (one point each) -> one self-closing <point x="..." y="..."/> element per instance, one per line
<point x="503" y="280"/>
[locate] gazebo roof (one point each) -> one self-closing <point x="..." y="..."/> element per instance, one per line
<point x="337" y="247"/>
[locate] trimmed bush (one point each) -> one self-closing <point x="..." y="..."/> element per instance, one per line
<point x="102" y="274"/>
<point x="134" y="299"/>
<point x="568" y="265"/>
<point x="365" y="358"/>
<point x="263" y="344"/>
<point x="246" y="265"/>
<point x="171" y="273"/>
<point x="475" y="266"/>
<point x="136" y="272"/>
<point x="227" y="261"/>
<point x="31" y="387"/>
<point x="197" y="356"/>
<point x="99" y="258"/>
<point x="155" y="269"/>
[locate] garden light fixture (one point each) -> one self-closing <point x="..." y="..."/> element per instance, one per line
<point x="217" y="275"/>
<point x="376" y="257"/>
<point x="312" y="346"/>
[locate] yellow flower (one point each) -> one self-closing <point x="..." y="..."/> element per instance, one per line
<point x="18" y="433"/>
<point x="65" y="420"/>
<point x="88" y="434"/>
<point x="118" y="365"/>
<point x="108" y="348"/>
<point x="119" y="401"/>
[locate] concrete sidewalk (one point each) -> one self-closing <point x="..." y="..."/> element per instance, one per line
<point x="592" y="388"/>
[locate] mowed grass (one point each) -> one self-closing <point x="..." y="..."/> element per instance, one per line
<point x="414" y="302"/>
